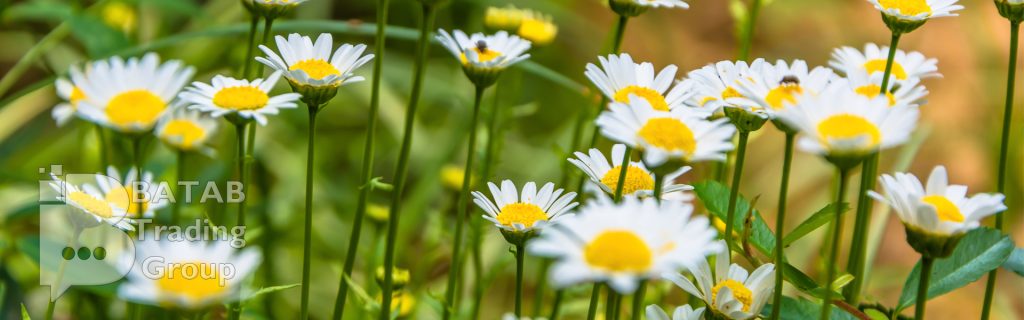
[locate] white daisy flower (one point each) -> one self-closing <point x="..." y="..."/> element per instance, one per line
<point x="235" y="97"/>
<point x="730" y="291"/>
<point x="524" y="211"/>
<point x="496" y="52"/>
<point x="906" y="65"/>
<point x="659" y="3"/>
<point x="639" y="180"/>
<point x="129" y="95"/>
<point x="773" y="87"/>
<point x="306" y="63"/>
<point x="715" y="85"/>
<point x="906" y="93"/>
<point x="917" y="10"/>
<point x="92" y="205"/>
<point x="279" y="2"/>
<point x="72" y="95"/>
<point x="186" y="274"/>
<point x="678" y="134"/>
<point x="938" y="207"/>
<point x="840" y="122"/>
<point x="121" y="193"/>
<point x="619" y="77"/>
<point x="187" y="130"/>
<point x="681" y="313"/>
<point x="624" y="243"/>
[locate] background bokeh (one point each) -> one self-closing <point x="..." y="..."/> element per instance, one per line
<point x="959" y="129"/>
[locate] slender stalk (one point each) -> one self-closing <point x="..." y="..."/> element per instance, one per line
<point x="520" y="259"/>
<point x="747" y="36"/>
<point x="179" y="190"/>
<point x="1011" y="78"/>
<point x="780" y="224"/>
<point x="486" y="168"/>
<point x="620" y="32"/>
<point x="541" y="286"/>
<point x="307" y="241"/>
<point x="557" y="304"/>
<point x="461" y="204"/>
<point x="893" y="45"/>
<point x="611" y="304"/>
<point x="235" y="309"/>
<point x="638" y="298"/>
<point x="101" y="136"/>
<point x="595" y="296"/>
<point x="922" y="287"/>
<point x="253" y="23"/>
<point x="52" y="304"/>
<point x="367" y="171"/>
<point x="858" y="245"/>
<point x="622" y="173"/>
<point x="837" y="230"/>
<point x="734" y="194"/>
<point x="267" y="32"/>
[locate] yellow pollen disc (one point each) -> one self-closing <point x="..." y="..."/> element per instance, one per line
<point x="91" y="204"/>
<point x="618" y="251"/>
<point x="522" y="213"/>
<point x="945" y="209"/>
<point x="778" y="97"/>
<point x="878" y="65"/>
<point x="653" y="97"/>
<point x="241" y="98"/>
<point x="636" y="179"/>
<point x="135" y="107"/>
<point x="484" y="55"/>
<point x="730" y="92"/>
<point x="739" y="291"/>
<point x="123" y="198"/>
<point x="316" y="69"/>
<point x="848" y="126"/>
<point x="76" y="96"/>
<point x="669" y="134"/>
<point x="873" y="90"/>
<point x="907" y="7"/>
<point x="183" y="133"/>
<point x="195" y="280"/>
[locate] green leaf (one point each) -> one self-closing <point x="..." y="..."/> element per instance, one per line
<point x="876" y="315"/>
<point x="818" y="219"/>
<point x="798" y="278"/>
<point x="98" y="38"/>
<point x="800" y="309"/>
<point x="715" y="197"/>
<point x="47" y="11"/>
<point x="267" y="290"/>
<point x="980" y="251"/>
<point x="1016" y="262"/>
<point x="24" y="313"/>
<point x="183" y="7"/>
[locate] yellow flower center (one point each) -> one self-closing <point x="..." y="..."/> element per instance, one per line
<point x="653" y="97"/>
<point x="195" y="280"/>
<point x="873" y="90"/>
<point x="945" y="209"/>
<point x="669" y="134"/>
<point x="135" y="107"/>
<point x="878" y="65"/>
<point x="91" y="204"/>
<point x="618" y="251"/>
<point x="522" y="213"/>
<point x="316" y="69"/>
<point x="739" y="291"/>
<point x="241" y="98"/>
<point x="537" y="31"/>
<point x="728" y="92"/>
<point x="848" y="126"/>
<point x="183" y="133"/>
<point x="907" y="7"/>
<point x="483" y="55"/>
<point x="126" y="198"/>
<point x="76" y="96"/>
<point x="636" y="179"/>
<point x="782" y="94"/>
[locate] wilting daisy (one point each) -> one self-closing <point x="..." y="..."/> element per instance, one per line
<point x="239" y="99"/>
<point x="122" y="193"/>
<point x="186" y="130"/>
<point x="772" y="87"/>
<point x="483" y="57"/>
<point x="681" y="313"/>
<point x="524" y="211"/>
<point x="624" y="243"/>
<point x="308" y="64"/>
<point x="186" y="274"/>
<point x="72" y="95"/>
<point x="639" y="180"/>
<point x="663" y="135"/>
<point x="917" y="10"/>
<point x="906" y="65"/>
<point x="129" y="95"/>
<point x="91" y="204"/>
<point x="731" y="291"/>
<point x="715" y="85"/>
<point x="619" y="77"/>
<point x="906" y="93"/>
<point x="840" y="122"/>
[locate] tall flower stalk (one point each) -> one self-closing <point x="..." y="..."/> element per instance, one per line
<point x="308" y="224"/>
<point x="837" y="231"/>
<point x="747" y="35"/>
<point x="235" y="309"/>
<point x="745" y="122"/>
<point x="780" y="219"/>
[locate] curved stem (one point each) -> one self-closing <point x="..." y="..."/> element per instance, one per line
<point x="520" y="259"/>
<point x="837" y="236"/>
<point x="638" y="297"/>
<point x="366" y="174"/>
<point x="595" y="296"/>
<point x="922" y="287"/>
<point x="747" y="36"/>
<point x="780" y="224"/>
<point x="734" y="193"/>
<point x="253" y="23"/>
<point x="307" y="240"/>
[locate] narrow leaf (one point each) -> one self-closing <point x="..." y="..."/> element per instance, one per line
<point x="980" y="251"/>
<point x="267" y="290"/>
<point x="24" y="313"/>
<point x="820" y="218"/>
<point x="715" y="197"/>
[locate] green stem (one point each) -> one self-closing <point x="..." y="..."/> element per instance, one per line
<point x="179" y="190"/>
<point x="620" y="32"/>
<point x="622" y="173"/>
<point x="922" y="287"/>
<point x="462" y="206"/>
<point x="101" y="136"/>
<point x="401" y="169"/>
<point x="611" y="304"/>
<point x="638" y="296"/>
<point x="780" y="223"/>
<point x="476" y="245"/>
<point x="52" y="304"/>
<point x="659" y="182"/>
<point x="520" y="260"/>
<point x="893" y="45"/>
<point x="366" y="174"/>
<point x="1011" y="77"/>
<point x="747" y="37"/>
<point x="252" y="46"/>
<point x="595" y="296"/>
<point x="837" y="231"/>
<point x="267" y="32"/>
<point x="862" y="220"/>
<point x="541" y="286"/>
<point x="307" y="240"/>
<point x="735" y="192"/>
<point x="557" y="304"/>
<point x="235" y="309"/>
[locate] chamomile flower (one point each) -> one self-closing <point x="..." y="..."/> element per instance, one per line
<point x="619" y="77"/>
<point x="715" y="85"/>
<point x="72" y="95"/>
<point x="772" y="87"/>
<point x="483" y="57"/>
<point x="122" y="193"/>
<point x="681" y="313"/>
<point x="666" y="135"/>
<point x="311" y="64"/>
<point x="187" y="130"/>
<point x="731" y="291"/>
<point x="528" y="24"/>
<point x="186" y="274"/>
<point x="270" y="9"/>
<point x="906" y="93"/>
<point x="632" y="8"/>
<point x="840" y="123"/>
<point x="624" y="243"/>
<point x="91" y="204"/>
<point x="241" y="100"/>
<point x="639" y="180"/>
<point x="129" y="95"/>
<point x="525" y="210"/>
<point x="1012" y="10"/>
<point x="906" y="65"/>
<point x="917" y="10"/>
